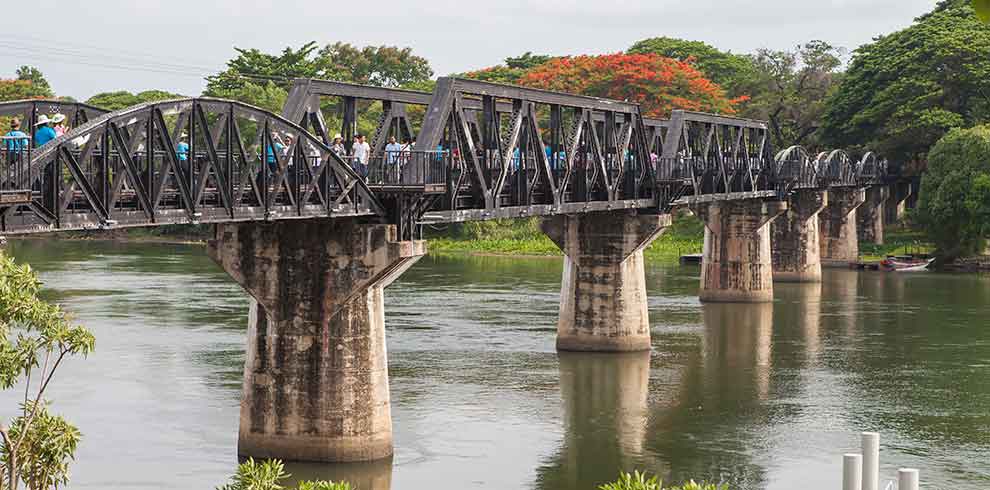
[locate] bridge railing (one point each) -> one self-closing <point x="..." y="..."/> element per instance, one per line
<point x="15" y="152"/>
<point x="408" y="169"/>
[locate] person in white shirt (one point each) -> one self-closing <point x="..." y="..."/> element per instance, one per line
<point x="392" y="152"/>
<point x="361" y="151"/>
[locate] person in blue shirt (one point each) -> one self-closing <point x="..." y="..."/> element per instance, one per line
<point x="182" y="149"/>
<point x="44" y="133"/>
<point x="549" y="151"/>
<point x="17" y="140"/>
<point x="270" y="155"/>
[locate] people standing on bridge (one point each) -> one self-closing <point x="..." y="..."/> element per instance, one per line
<point x="338" y="146"/>
<point x="393" y="151"/>
<point x="270" y="153"/>
<point x="405" y="152"/>
<point x="44" y="132"/>
<point x="58" y="124"/>
<point x="361" y="152"/>
<point x="17" y="140"/>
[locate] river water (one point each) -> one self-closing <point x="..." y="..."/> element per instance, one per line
<point x="760" y="396"/>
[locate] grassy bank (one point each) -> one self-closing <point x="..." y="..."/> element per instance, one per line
<point x="523" y="237"/>
<point x="899" y="241"/>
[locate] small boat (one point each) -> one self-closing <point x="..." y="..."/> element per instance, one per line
<point x="905" y="264"/>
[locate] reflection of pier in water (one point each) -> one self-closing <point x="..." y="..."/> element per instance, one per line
<point x="605" y="400"/>
<point x="374" y="475"/>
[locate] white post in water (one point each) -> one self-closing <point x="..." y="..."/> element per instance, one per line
<point x="871" y="460"/>
<point x="907" y="479"/>
<point x="852" y="472"/>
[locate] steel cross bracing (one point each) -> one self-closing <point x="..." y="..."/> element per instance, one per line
<point x="180" y="161"/>
<point x="483" y="150"/>
<point x="522" y="152"/>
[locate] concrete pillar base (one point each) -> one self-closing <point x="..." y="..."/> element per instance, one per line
<point x="870" y="215"/>
<point x="736" y="264"/>
<point x="603" y="302"/>
<point x="839" y="240"/>
<point x="796" y="252"/>
<point x="316" y="373"/>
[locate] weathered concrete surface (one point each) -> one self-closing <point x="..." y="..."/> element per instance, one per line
<point x="870" y="215"/>
<point x="796" y="252"/>
<point x="603" y="303"/>
<point x="896" y="205"/>
<point x="839" y="240"/>
<point x="736" y="262"/>
<point x="316" y="376"/>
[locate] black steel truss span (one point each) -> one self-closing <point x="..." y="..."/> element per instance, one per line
<point x="483" y="150"/>
<point x="195" y="160"/>
<point x="517" y="151"/>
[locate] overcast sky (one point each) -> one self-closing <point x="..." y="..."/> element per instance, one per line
<point x="90" y="46"/>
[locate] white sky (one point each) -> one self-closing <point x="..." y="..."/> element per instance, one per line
<point x="90" y="46"/>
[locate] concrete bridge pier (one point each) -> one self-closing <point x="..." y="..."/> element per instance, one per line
<point x="736" y="261"/>
<point x="870" y="215"/>
<point x="896" y="205"/>
<point x="839" y="240"/>
<point x="603" y="303"/>
<point x="796" y="252"/>
<point x="316" y="373"/>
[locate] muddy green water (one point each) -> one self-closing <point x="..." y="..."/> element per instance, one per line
<point x="760" y="396"/>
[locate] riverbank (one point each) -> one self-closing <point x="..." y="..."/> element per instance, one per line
<point x="522" y="238"/>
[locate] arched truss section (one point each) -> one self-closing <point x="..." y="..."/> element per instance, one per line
<point x="28" y="110"/>
<point x="836" y="169"/>
<point x="195" y="160"/>
<point x="517" y="151"/>
<point x="718" y="154"/>
<point x="796" y="169"/>
<point x="870" y="170"/>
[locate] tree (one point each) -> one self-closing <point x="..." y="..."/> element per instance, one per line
<point x="20" y="89"/>
<point x="791" y="90"/>
<point x="734" y="72"/>
<point x="906" y="90"/>
<point x="263" y="79"/>
<point x="954" y="203"/>
<point x="36" y="446"/>
<point x="37" y="79"/>
<point x="658" y="83"/>
<point x="513" y="69"/>
<point x="121" y="99"/>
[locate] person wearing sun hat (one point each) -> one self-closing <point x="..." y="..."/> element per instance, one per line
<point x="44" y="132"/>
<point x="58" y="123"/>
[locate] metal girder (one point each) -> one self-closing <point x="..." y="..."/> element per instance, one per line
<point x="126" y="168"/>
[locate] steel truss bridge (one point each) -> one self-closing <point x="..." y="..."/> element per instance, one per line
<point x="482" y="151"/>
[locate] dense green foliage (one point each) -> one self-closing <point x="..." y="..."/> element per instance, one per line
<point x="904" y="91"/>
<point x="736" y="73"/>
<point x="36" y="446"/>
<point x="954" y="205"/>
<point x="37" y="79"/>
<point x="262" y="79"/>
<point x="642" y="481"/>
<point x="790" y="91"/>
<point x="118" y="100"/>
<point x="510" y="72"/>
<point x="29" y="84"/>
<point x="269" y="475"/>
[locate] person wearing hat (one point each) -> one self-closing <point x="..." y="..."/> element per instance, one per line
<point x="58" y="123"/>
<point x="182" y="149"/>
<point x="43" y="132"/>
<point x="338" y="145"/>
